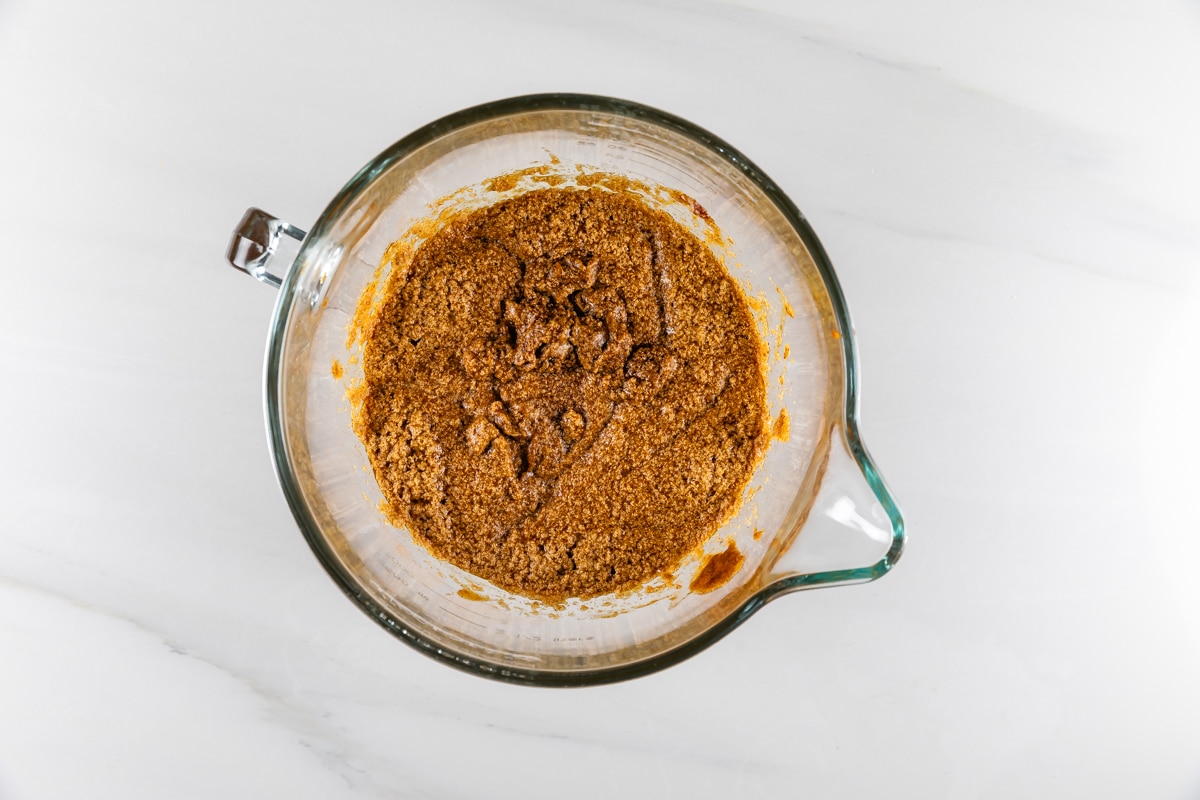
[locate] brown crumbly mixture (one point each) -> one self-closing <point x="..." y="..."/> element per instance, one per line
<point x="563" y="393"/>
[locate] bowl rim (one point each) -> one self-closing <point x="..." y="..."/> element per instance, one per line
<point x="848" y="423"/>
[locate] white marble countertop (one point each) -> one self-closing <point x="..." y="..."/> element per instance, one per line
<point x="1010" y="194"/>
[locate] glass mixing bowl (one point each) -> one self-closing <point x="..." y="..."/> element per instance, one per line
<point x="816" y="512"/>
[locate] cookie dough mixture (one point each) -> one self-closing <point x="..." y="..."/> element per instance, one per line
<point x="563" y="393"/>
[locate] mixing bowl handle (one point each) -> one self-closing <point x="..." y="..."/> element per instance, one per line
<point x="261" y="240"/>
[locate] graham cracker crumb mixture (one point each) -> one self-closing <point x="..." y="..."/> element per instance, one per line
<point x="563" y="393"/>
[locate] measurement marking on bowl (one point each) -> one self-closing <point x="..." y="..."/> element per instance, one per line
<point x="678" y="174"/>
<point x="464" y="619"/>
